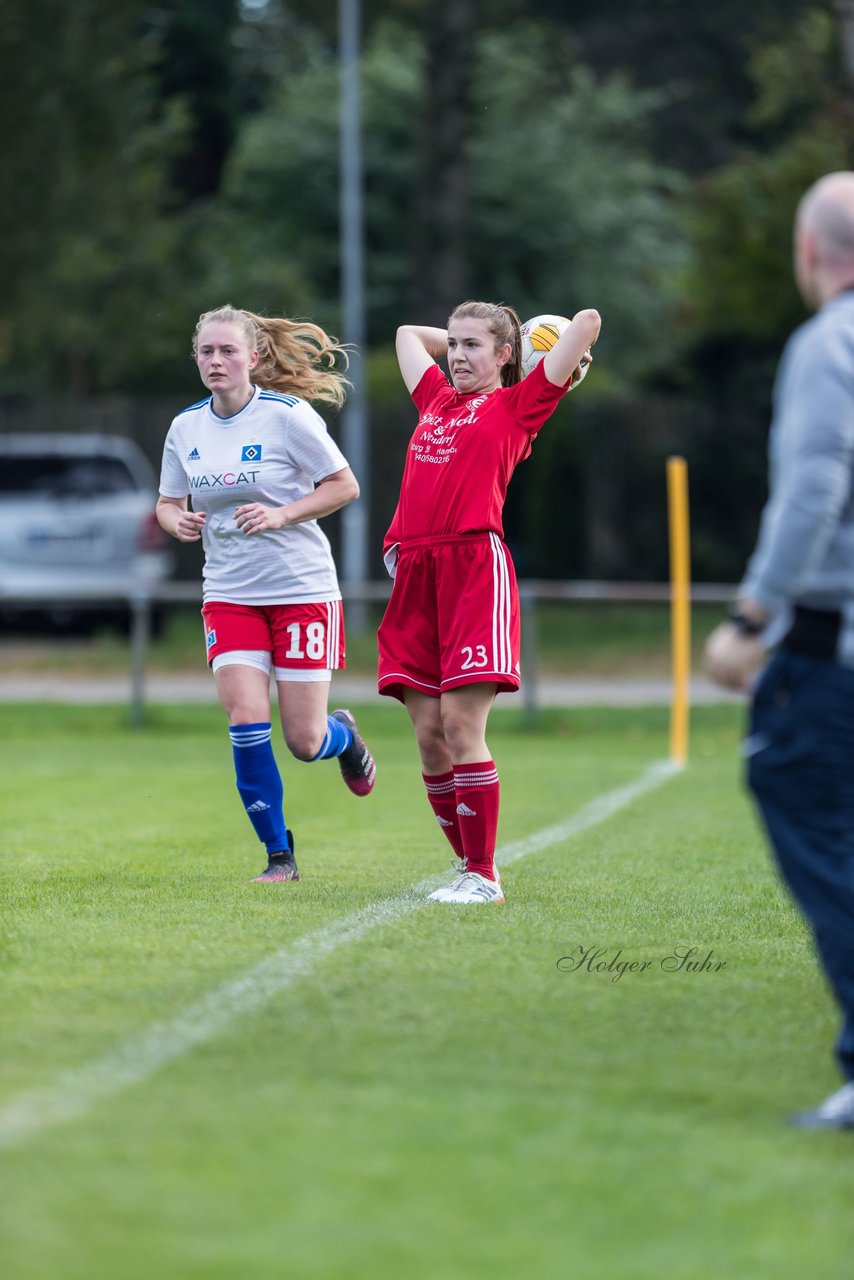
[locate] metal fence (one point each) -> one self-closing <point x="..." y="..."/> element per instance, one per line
<point x="141" y="599"/>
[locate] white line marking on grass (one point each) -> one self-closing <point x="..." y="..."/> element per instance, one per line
<point x="590" y="815"/>
<point x="72" y="1093"/>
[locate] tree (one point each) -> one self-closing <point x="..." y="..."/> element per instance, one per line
<point x="741" y="302"/>
<point x="569" y="208"/>
<point x="86" y="172"/>
<point x="278" y="215"/>
<point x="440" y="210"/>
<point x="741" y="215"/>
<point x="565" y="206"/>
<point x="197" y="67"/>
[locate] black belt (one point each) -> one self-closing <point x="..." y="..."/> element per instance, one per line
<point x="814" y="632"/>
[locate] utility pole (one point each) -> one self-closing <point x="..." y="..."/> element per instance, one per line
<point x="355" y="517"/>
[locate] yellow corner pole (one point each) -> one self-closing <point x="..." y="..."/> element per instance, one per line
<point x="680" y="605"/>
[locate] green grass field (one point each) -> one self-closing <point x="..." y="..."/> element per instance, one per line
<point x="432" y="1099"/>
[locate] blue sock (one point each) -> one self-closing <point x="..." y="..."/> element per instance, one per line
<point x="259" y="783"/>
<point x="338" y="739"/>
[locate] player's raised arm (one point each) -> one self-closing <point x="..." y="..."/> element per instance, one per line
<point x="574" y="343"/>
<point x="419" y="346"/>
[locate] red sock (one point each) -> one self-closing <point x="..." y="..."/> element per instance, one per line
<point x="443" y="801"/>
<point x="478" y="797"/>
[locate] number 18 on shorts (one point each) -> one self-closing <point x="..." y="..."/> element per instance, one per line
<point x="301" y="637"/>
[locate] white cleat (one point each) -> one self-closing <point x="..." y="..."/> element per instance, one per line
<point x="836" y="1112"/>
<point x="469" y="887"/>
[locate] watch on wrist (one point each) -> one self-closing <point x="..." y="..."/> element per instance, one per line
<point x="747" y="626"/>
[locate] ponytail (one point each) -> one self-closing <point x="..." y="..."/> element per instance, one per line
<point x="294" y="356"/>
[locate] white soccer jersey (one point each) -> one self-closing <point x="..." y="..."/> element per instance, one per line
<point x="274" y="451"/>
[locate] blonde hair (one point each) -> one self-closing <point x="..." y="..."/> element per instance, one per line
<point x="294" y="356"/>
<point x="504" y="325"/>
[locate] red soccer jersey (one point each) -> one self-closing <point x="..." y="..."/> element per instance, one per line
<point x="463" y="453"/>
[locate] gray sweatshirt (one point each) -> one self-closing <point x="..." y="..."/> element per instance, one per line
<point x="805" y="551"/>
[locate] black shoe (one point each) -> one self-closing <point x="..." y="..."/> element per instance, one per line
<point x="356" y="763"/>
<point x="280" y="867"/>
<point x="836" y="1112"/>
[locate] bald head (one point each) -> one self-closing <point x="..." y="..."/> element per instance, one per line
<point x="824" y="238"/>
<point x="827" y="212"/>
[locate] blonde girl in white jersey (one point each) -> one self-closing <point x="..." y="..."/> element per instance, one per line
<point x="261" y="470"/>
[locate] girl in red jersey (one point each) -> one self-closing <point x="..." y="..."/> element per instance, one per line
<point x="449" y="640"/>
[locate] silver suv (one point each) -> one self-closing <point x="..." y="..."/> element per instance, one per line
<point x="77" y="525"/>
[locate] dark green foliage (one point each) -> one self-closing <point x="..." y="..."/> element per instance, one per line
<point x="645" y="159"/>
<point x="197" y="67"/>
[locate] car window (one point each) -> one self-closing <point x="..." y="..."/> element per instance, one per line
<point x="65" y="477"/>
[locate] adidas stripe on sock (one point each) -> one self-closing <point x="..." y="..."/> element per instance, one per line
<point x="478" y="797"/>
<point x="259" y="782"/>
<point x="337" y="739"/>
<point x="443" y="801"/>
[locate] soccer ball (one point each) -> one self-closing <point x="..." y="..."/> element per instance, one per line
<point x="539" y="336"/>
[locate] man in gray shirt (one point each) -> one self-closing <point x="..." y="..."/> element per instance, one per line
<point x="798" y="598"/>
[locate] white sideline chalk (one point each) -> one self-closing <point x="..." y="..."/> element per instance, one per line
<point x="72" y="1094"/>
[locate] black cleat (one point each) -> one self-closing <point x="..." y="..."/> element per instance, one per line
<point x="356" y="764"/>
<point x="280" y="867"/>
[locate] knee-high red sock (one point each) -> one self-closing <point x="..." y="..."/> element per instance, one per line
<point x="443" y="802"/>
<point x="478" y="798"/>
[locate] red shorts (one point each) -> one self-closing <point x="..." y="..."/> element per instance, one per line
<point x="453" y="617"/>
<point x="301" y="637"/>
